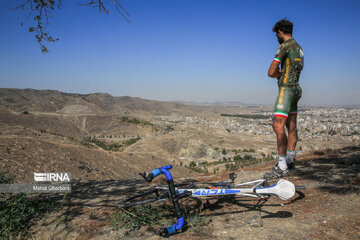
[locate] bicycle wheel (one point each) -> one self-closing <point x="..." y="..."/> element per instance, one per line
<point x="149" y="196"/>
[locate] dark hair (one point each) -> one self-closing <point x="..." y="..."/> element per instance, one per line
<point x="284" y="25"/>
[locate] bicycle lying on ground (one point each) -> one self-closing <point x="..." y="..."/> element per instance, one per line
<point x="283" y="189"/>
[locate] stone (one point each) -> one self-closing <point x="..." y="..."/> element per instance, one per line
<point x="256" y="220"/>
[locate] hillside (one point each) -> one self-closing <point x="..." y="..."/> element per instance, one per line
<point x="54" y="101"/>
<point x="43" y="131"/>
<point x="111" y="137"/>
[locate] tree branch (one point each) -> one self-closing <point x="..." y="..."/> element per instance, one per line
<point x="43" y="9"/>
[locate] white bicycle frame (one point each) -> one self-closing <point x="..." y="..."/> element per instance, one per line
<point x="283" y="189"/>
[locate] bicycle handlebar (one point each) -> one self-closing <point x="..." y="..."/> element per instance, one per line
<point x="173" y="228"/>
<point x="156" y="172"/>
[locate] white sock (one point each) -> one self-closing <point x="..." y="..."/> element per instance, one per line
<point x="290" y="155"/>
<point x="282" y="162"/>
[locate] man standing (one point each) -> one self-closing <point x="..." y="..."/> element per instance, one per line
<point x="291" y="57"/>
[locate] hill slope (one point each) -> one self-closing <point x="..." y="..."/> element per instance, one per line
<point x="55" y="101"/>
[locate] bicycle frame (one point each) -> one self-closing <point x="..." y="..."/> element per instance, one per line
<point x="283" y="189"/>
<point x="248" y="192"/>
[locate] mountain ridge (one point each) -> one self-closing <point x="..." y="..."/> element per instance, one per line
<point x="54" y="100"/>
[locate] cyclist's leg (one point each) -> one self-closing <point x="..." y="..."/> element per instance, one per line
<point x="282" y="109"/>
<point x="292" y="129"/>
<point x="291" y="122"/>
<point x="292" y="139"/>
<point x="281" y="113"/>
<point x="282" y="141"/>
<point x="292" y="132"/>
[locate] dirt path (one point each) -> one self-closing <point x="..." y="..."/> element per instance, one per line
<point x="327" y="209"/>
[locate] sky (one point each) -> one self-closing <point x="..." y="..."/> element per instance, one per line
<point x="185" y="50"/>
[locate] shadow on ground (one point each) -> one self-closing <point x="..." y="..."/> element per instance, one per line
<point x="93" y="195"/>
<point x="334" y="171"/>
<point x="248" y="205"/>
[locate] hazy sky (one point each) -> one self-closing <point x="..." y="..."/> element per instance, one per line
<point x="191" y="50"/>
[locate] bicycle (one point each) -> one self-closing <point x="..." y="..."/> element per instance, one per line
<point x="283" y="189"/>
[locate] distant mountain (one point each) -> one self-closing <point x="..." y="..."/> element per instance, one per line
<point x="55" y="101"/>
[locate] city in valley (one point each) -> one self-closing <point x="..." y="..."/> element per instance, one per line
<point x="251" y="133"/>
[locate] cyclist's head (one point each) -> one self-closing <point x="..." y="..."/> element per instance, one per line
<point x="281" y="28"/>
<point x="283" y="25"/>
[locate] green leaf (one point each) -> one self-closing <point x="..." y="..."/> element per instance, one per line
<point x="31" y="29"/>
<point x="44" y="49"/>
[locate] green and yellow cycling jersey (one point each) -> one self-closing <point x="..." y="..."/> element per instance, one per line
<point x="291" y="56"/>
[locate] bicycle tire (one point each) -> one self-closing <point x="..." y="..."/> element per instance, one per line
<point x="185" y="185"/>
<point x="145" y="197"/>
<point x="178" y="185"/>
<point x="209" y="184"/>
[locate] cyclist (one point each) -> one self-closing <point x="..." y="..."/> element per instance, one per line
<point x="291" y="58"/>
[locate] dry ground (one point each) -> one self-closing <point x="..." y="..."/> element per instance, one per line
<point x="327" y="209"/>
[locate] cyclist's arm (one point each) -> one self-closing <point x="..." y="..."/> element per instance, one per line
<point x="274" y="71"/>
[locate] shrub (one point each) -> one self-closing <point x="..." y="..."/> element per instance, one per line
<point x="160" y="216"/>
<point x="19" y="211"/>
